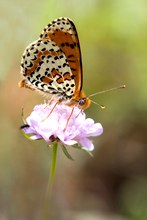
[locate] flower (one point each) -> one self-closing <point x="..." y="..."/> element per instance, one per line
<point x="59" y="122"/>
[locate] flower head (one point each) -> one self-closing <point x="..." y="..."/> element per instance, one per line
<point x="61" y="123"/>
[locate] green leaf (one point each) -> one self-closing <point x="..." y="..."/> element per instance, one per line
<point x="87" y="151"/>
<point x="77" y="146"/>
<point x="66" y="152"/>
<point x="22" y="116"/>
<point x="27" y="136"/>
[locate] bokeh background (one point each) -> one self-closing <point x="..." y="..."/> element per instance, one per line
<point x="113" y="184"/>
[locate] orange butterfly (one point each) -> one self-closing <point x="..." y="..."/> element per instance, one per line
<point x="52" y="64"/>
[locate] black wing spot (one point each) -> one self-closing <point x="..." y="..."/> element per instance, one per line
<point x="36" y="84"/>
<point x="43" y="49"/>
<point x="42" y="85"/>
<point x="65" y="64"/>
<point x="41" y="62"/>
<point x="32" y="73"/>
<point x="38" y="76"/>
<point x="38" y="68"/>
<point x="73" y="69"/>
<point x="61" y="56"/>
<point x="59" y="89"/>
<point x="50" y="88"/>
<point x="33" y="81"/>
<point x="36" y="51"/>
<point x="35" y="58"/>
<point x="32" y="48"/>
<point x="45" y="42"/>
<point x="31" y="64"/>
<point x="68" y="89"/>
<point x="56" y="58"/>
<point x="55" y="92"/>
<point x="73" y="76"/>
<point x="71" y="55"/>
<point x="71" y="61"/>
<point x="72" y="46"/>
<point x="49" y="56"/>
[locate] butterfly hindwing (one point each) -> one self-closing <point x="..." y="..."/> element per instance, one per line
<point x="45" y="68"/>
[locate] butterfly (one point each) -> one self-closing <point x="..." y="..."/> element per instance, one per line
<point x="53" y="65"/>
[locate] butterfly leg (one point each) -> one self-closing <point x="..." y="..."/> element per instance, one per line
<point x="81" y="111"/>
<point x="49" y="102"/>
<point x="51" y="110"/>
<point x="69" y="117"/>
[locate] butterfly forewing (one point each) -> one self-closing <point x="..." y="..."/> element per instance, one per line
<point x="63" y="32"/>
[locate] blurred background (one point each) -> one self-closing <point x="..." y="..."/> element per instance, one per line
<point x="113" y="184"/>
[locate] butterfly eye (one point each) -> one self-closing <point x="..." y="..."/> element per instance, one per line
<point x="82" y="101"/>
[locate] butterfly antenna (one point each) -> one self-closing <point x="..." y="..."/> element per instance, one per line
<point x="101" y="106"/>
<point x="107" y="90"/>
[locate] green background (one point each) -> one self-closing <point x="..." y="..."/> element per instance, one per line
<point x="113" y="184"/>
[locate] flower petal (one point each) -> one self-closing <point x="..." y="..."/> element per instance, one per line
<point x="52" y="120"/>
<point x="35" y="137"/>
<point x="87" y="144"/>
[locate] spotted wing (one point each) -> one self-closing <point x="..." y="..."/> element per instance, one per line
<point x="44" y="67"/>
<point x="52" y="64"/>
<point x="64" y="33"/>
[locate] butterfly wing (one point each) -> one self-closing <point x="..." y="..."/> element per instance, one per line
<point x="64" y="33"/>
<point x="44" y="67"/>
<point x="52" y="64"/>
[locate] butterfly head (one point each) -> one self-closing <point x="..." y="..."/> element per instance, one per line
<point x="82" y="101"/>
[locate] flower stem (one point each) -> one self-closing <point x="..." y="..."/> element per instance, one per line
<point x="53" y="166"/>
<point x="51" y="179"/>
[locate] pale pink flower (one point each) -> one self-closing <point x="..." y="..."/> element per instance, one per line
<point x="54" y="127"/>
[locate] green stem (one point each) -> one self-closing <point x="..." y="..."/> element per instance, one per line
<point x="51" y="179"/>
<point x="53" y="166"/>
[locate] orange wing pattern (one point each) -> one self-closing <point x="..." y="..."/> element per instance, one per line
<point x="52" y="64"/>
<point x="63" y="32"/>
